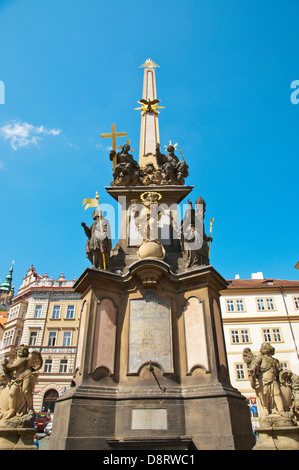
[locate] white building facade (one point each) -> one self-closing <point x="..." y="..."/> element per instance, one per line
<point x="260" y="310"/>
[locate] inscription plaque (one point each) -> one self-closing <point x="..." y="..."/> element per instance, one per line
<point x="150" y="333"/>
<point x="149" y="419"/>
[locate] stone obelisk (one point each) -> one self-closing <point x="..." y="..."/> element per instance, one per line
<point x="149" y="132"/>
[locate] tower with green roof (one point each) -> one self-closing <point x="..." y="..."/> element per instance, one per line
<point x="7" y="289"/>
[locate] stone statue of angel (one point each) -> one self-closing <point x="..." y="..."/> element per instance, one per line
<point x="264" y="371"/>
<point x="17" y="383"/>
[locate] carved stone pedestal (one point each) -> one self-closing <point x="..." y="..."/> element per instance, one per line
<point x="17" y="438"/>
<point x="151" y="367"/>
<point x="278" y="438"/>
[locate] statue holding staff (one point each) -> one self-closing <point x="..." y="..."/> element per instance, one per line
<point x="98" y="245"/>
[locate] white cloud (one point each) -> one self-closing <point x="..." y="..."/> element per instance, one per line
<point x="73" y="145"/>
<point x="22" y="134"/>
<point x="100" y="146"/>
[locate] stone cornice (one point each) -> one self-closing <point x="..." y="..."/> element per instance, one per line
<point x="260" y="319"/>
<point x="150" y="272"/>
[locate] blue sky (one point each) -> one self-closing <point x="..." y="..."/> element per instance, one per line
<point x="71" y="69"/>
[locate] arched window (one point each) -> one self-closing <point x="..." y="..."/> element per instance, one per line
<point x="49" y="401"/>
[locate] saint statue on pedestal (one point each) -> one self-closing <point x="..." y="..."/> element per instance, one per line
<point x="98" y="245"/>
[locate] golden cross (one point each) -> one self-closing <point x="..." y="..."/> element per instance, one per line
<point x="114" y="134"/>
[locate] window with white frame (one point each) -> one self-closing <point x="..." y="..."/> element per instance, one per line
<point x="296" y="302"/>
<point x="13" y="312"/>
<point x="70" y="313"/>
<point x="265" y="304"/>
<point x="267" y="334"/>
<point x="38" y="311"/>
<point x="235" y="305"/>
<point x="276" y="334"/>
<point x="52" y="338"/>
<point x="8" y="338"/>
<point x="18" y="337"/>
<point x="240" y="372"/>
<point x="240" y="336"/>
<point x="272" y="335"/>
<point x="240" y="305"/>
<point x="56" y="312"/>
<point x="230" y="306"/>
<point x="67" y="337"/>
<point x="270" y="304"/>
<point x="245" y="336"/>
<point x="48" y="366"/>
<point x="235" y="336"/>
<point x="32" y="338"/>
<point x="23" y="311"/>
<point x="260" y="304"/>
<point x="63" y="366"/>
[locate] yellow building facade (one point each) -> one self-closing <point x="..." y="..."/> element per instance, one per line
<point x="45" y="315"/>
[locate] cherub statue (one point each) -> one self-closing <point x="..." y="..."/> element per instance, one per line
<point x="149" y="175"/>
<point x="263" y="371"/>
<point x="17" y="381"/>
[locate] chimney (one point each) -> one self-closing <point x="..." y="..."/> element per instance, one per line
<point x="258" y="275"/>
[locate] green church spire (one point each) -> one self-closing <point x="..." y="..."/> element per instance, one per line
<point x="7" y="285"/>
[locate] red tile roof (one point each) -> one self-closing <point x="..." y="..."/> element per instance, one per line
<point x="3" y="321"/>
<point x="260" y="283"/>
